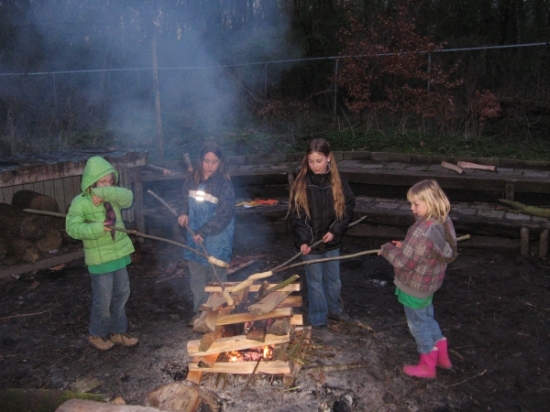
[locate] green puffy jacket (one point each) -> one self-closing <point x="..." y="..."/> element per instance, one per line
<point x="85" y="220"/>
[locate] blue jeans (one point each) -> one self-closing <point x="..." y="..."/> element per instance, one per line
<point x="423" y="327"/>
<point x="110" y="293"/>
<point x="200" y="276"/>
<point x="323" y="287"/>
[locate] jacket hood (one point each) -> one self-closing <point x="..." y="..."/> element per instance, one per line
<point x="96" y="168"/>
<point x="444" y="243"/>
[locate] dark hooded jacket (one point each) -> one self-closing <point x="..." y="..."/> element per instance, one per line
<point x="323" y="217"/>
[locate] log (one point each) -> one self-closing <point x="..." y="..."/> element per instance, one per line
<point x="470" y="165"/>
<point x="78" y="405"/>
<point x="25" y="250"/>
<point x="26" y="399"/>
<point x="27" y="199"/>
<point x="17" y="224"/>
<point x="528" y="210"/>
<point x="184" y="396"/>
<point x="451" y="166"/>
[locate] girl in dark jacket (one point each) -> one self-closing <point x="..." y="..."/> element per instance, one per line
<point x="321" y="207"/>
<point x="208" y="210"/>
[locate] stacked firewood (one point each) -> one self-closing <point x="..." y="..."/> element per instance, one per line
<point x="261" y="321"/>
<point x="25" y="236"/>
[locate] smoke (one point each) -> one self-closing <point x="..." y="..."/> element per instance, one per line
<point x="96" y="57"/>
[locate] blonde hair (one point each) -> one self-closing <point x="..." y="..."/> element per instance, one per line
<point x="437" y="203"/>
<point x="298" y="191"/>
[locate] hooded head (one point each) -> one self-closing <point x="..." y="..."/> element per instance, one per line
<point x="96" y="168"/>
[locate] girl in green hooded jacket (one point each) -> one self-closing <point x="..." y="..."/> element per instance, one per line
<point x="106" y="252"/>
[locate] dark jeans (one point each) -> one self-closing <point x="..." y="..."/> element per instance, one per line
<point x="323" y="287"/>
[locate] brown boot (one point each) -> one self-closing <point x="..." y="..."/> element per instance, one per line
<point x="426" y="366"/>
<point x="100" y="343"/>
<point x="123" y="339"/>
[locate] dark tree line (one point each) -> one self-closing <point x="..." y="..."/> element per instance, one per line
<point x="79" y="73"/>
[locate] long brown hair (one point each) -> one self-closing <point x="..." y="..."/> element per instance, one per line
<point x="298" y="191"/>
<point x="213" y="147"/>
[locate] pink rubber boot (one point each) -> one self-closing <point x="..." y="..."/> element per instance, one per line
<point x="426" y="366"/>
<point x="443" y="360"/>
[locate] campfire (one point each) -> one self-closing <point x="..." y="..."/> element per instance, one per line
<point x="258" y="334"/>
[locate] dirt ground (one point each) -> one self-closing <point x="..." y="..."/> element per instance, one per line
<point x="493" y="307"/>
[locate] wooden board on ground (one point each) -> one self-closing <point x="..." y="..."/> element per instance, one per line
<point x="267" y="367"/>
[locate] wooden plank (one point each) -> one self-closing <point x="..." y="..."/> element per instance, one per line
<point x="41" y="264"/>
<point x="212" y="287"/>
<point x="233" y="343"/>
<point x="248" y="317"/>
<point x="245" y="368"/>
<point x="293" y="301"/>
<point x="268" y="303"/>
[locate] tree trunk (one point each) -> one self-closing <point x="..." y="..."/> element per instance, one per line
<point x="27" y="199"/>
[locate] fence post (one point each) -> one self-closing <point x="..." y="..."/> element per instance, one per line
<point x="335" y="106"/>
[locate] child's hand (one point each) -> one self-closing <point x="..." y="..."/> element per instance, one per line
<point x="328" y="237"/>
<point x="183" y="220"/>
<point x="305" y="249"/>
<point x="105" y="226"/>
<point x="96" y="200"/>
<point x="397" y="243"/>
<point x="198" y="239"/>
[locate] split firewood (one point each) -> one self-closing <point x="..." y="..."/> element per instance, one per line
<point x="280" y="327"/>
<point x="470" y="165"/>
<point x="268" y="303"/>
<point x="526" y="209"/>
<point x="248" y="317"/>
<point x="275" y="367"/>
<point x="237" y="342"/>
<point x="451" y="166"/>
<point x="258" y="331"/>
<point x="209" y="338"/>
<point x="208" y="361"/>
<point x="206" y="322"/>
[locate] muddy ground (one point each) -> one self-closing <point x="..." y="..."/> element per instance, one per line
<point x="493" y="307"/>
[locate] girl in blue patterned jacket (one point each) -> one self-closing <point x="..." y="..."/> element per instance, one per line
<point x="419" y="264"/>
<point x="208" y="210"/>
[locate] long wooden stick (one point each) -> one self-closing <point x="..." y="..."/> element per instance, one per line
<point x="257" y="276"/>
<point x="317" y="243"/>
<point x="211" y="259"/>
<point x="130" y="232"/>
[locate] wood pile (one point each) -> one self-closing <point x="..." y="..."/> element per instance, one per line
<point x="26" y="235"/>
<point x="259" y="334"/>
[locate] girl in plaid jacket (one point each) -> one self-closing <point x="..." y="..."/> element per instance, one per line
<point x="419" y="264"/>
